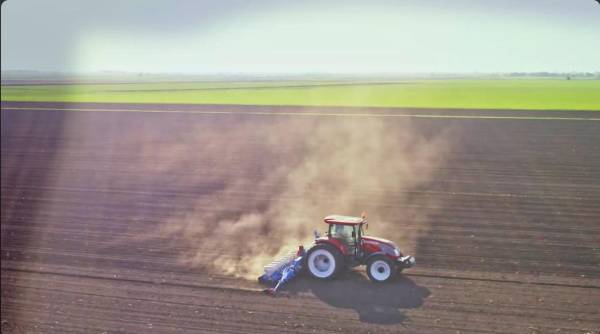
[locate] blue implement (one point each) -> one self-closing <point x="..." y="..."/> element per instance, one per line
<point x="282" y="271"/>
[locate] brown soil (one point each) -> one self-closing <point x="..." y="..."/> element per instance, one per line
<point x="511" y="244"/>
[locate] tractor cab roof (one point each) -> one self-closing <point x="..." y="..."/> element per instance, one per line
<point x="344" y="220"/>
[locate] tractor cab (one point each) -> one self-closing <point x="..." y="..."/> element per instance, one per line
<point x="347" y="230"/>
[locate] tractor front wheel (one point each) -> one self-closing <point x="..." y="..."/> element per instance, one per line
<point x="324" y="261"/>
<point x="380" y="269"/>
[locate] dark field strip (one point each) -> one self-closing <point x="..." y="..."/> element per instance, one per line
<point x="506" y="230"/>
<point x="69" y="215"/>
<point x="565" y="245"/>
<point x="136" y="304"/>
<point x="509" y="205"/>
<point x="284" y="110"/>
<point x="557" y="249"/>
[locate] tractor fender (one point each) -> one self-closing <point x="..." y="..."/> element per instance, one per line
<point x="372" y="255"/>
<point x="340" y="246"/>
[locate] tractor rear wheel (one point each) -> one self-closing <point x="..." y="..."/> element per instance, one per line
<point x="380" y="269"/>
<point x="324" y="261"/>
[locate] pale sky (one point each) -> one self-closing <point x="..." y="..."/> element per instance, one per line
<point x="271" y="37"/>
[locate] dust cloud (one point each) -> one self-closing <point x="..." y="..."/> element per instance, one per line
<point x="263" y="184"/>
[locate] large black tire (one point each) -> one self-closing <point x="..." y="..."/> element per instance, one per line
<point x="380" y="269"/>
<point x="324" y="262"/>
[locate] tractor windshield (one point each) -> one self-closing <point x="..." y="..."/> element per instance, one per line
<point x="345" y="233"/>
<point x="341" y="231"/>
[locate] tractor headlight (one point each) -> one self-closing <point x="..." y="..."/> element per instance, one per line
<point x="397" y="252"/>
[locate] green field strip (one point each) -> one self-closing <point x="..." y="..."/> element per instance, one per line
<point x="517" y="94"/>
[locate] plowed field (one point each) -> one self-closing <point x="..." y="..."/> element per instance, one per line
<point x="510" y="242"/>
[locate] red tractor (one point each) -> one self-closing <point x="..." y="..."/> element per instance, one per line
<point x="346" y="245"/>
